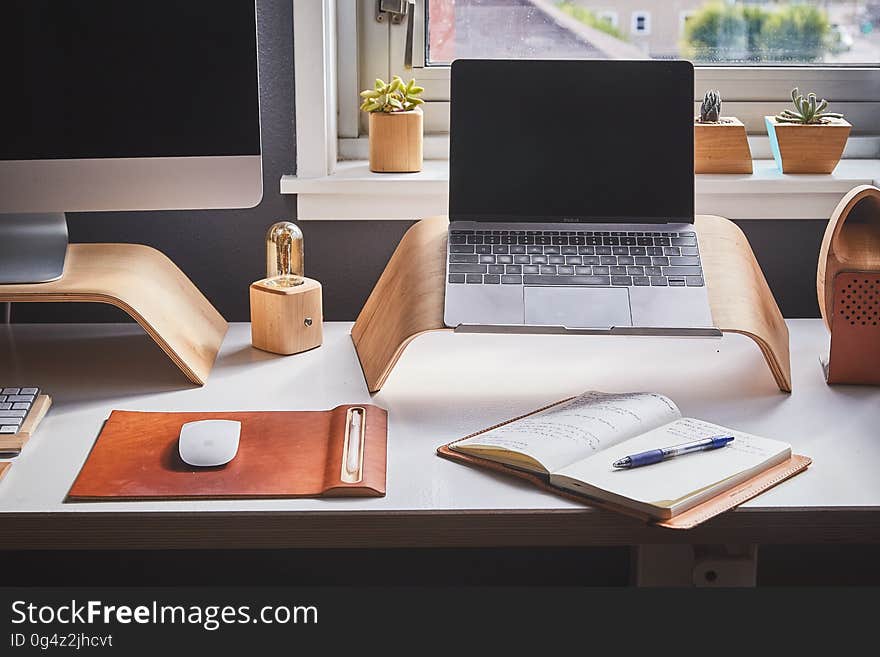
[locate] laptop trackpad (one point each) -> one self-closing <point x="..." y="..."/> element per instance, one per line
<point x="577" y="307"/>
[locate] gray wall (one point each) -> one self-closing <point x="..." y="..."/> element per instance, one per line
<point x="788" y="251"/>
<point x="222" y="250"/>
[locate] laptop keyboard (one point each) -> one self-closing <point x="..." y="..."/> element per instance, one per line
<point x="583" y="257"/>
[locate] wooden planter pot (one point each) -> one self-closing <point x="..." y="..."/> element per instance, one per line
<point x="396" y="141"/>
<point x="807" y="148"/>
<point x="721" y="147"/>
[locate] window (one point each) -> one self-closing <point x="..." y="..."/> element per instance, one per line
<point x="340" y="47"/>
<point x="608" y="16"/>
<point x="753" y="51"/>
<point x="719" y="31"/>
<point x="641" y="22"/>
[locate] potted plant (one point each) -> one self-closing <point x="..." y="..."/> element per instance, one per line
<point x="720" y="142"/>
<point x="807" y="139"/>
<point x="395" y="125"/>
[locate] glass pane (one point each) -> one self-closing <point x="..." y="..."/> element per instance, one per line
<point x="801" y="32"/>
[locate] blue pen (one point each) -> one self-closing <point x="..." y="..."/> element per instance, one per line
<point x="657" y="455"/>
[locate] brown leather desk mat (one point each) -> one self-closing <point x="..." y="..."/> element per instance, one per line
<point x="280" y="454"/>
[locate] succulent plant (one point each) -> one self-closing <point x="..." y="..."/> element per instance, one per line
<point x="807" y="111"/>
<point x="710" y="109"/>
<point x="394" y="96"/>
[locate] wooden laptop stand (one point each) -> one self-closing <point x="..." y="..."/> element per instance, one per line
<point x="408" y="298"/>
<point x="144" y="283"/>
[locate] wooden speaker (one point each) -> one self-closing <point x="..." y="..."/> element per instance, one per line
<point x="848" y="288"/>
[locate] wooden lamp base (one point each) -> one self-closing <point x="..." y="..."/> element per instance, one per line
<point x="408" y="298"/>
<point x="286" y="320"/>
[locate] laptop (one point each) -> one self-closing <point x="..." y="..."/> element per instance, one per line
<point x="571" y="199"/>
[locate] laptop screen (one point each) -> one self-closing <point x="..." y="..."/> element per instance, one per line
<point x="599" y="141"/>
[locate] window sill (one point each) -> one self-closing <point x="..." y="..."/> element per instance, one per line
<point x="354" y="192"/>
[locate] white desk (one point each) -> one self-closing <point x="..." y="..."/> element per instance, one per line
<point x="447" y="386"/>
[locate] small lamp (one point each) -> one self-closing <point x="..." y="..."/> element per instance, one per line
<point x="286" y="307"/>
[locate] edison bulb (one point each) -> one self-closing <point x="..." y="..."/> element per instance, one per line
<point x="284" y="255"/>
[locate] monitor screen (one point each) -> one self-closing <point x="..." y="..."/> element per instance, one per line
<point x="112" y="79"/>
<point x="567" y="141"/>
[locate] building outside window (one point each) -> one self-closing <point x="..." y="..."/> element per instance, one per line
<point x="641" y="23"/>
<point x="609" y="16"/>
<point x="755" y="31"/>
<point x="685" y="17"/>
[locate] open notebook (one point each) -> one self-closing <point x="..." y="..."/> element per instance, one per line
<point x="572" y="445"/>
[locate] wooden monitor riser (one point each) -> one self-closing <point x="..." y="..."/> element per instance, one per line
<point x="144" y="283"/>
<point x="408" y="298"/>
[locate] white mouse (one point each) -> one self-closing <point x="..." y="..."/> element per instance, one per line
<point x="208" y="443"/>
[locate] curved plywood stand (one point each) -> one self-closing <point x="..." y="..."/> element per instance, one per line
<point x="149" y="287"/>
<point x="740" y="299"/>
<point x="408" y="299"/>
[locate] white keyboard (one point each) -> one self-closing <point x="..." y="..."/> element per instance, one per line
<point x="15" y="404"/>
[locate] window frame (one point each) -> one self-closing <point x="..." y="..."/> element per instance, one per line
<point x="751" y="91"/>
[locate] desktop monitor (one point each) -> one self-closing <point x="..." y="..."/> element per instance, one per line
<point x="112" y="105"/>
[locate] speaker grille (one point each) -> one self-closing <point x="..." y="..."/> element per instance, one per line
<point x="860" y="302"/>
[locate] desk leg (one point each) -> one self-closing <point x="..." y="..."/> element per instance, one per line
<point x="695" y="565"/>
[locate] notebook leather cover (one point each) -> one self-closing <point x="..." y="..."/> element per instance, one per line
<point x="686" y="520"/>
<point x="280" y="454"/>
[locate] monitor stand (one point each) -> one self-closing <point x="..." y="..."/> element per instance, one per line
<point x="137" y="279"/>
<point x="32" y="247"/>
